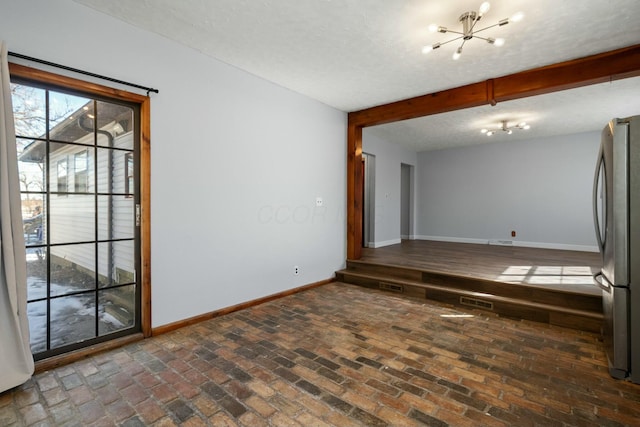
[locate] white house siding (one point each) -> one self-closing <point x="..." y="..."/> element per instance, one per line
<point x="72" y="216"/>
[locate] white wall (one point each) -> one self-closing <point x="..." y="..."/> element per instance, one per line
<point x="542" y="189"/>
<point x="236" y="163"/>
<point x="389" y="158"/>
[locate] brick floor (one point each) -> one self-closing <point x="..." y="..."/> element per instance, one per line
<point x="338" y="355"/>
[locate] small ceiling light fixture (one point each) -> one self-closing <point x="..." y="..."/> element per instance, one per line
<point x="469" y="21"/>
<point x="507" y="129"/>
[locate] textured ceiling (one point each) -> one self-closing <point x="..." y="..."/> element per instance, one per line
<point x="354" y="54"/>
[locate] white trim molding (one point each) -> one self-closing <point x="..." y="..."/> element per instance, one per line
<point x="503" y="242"/>
<point x="386" y="243"/>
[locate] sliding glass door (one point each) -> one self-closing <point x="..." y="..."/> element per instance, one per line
<point x="78" y="165"/>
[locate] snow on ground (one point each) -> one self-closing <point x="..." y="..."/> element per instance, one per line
<point x="72" y="318"/>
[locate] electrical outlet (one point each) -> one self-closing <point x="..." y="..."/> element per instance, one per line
<point x="319" y="201"/>
<point x="513" y="233"/>
<point x="296" y="270"/>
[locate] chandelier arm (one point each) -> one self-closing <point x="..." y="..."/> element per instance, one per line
<point x="454" y="32"/>
<point x="486" y="28"/>
<point x="475" y="21"/>
<point x="449" y="41"/>
<point x="481" y="38"/>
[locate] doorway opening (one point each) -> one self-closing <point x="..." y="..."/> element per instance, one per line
<point x="368" y="199"/>
<point x="406" y="201"/>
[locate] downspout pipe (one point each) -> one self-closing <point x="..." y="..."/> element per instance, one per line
<point x="110" y="138"/>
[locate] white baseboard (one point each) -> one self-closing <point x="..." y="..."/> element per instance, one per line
<point x="560" y="246"/>
<point x="453" y="239"/>
<point x="504" y="242"/>
<point x="385" y="243"/>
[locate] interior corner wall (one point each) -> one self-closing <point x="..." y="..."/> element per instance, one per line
<point x="388" y="170"/>
<point x="236" y="162"/>
<point x="539" y="188"/>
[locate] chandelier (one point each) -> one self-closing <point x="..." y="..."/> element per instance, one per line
<point x="507" y="129"/>
<point x="469" y="21"/>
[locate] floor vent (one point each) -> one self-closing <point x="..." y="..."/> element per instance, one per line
<point x="476" y="303"/>
<point x="501" y="242"/>
<point x="391" y="287"/>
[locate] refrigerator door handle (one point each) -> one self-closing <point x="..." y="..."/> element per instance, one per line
<point x="596" y="182"/>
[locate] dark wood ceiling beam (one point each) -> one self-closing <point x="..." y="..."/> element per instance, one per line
<point x="603" y="67"/>
<point x="600" y="68"/>
<point x="467" y="96"/>
<point x="620" y="63"/>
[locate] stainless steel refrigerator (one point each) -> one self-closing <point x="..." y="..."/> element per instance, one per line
<point x="617" y="219"/>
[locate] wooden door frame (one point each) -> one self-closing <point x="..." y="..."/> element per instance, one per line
<point x="50" y="79"/>
<point x="600" y="68"/>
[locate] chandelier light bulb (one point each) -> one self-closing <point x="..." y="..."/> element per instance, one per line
<point x="457" y="53"/>
<point x="498" y="42"/>
<point x="429" y="48"/>
<point x="516" y="17"/>
<point x="484" y="131"/>
<point x="433" y="28"/>
<point x="509" y="132"/>
<point x="484" y="8"/>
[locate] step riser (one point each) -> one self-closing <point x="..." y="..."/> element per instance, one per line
<point x="582" y="302"/>
<point x="372" y="283"/>
<point x="453" y="295"/>
<point x="519" y="312"/>
<point x="385" y="270"/>
<point x="528" y="293"/>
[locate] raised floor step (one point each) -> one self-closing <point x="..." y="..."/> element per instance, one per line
<point x="589" y="299"/>
<point x="555" y="307"/>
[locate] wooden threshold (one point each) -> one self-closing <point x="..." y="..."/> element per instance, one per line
<point x="73" y="356"/>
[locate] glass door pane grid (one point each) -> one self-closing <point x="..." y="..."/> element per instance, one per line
<point x="84" y="292"/>
<point x="98" y="289"/>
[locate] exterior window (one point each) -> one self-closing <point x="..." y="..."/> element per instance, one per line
<point x="62" y="173"/>
<point x="81" y="176"/>
<point x="128" y="173"/>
